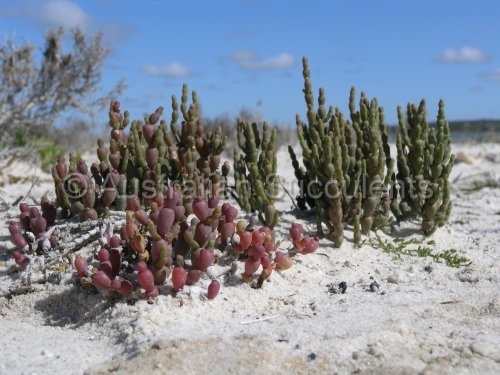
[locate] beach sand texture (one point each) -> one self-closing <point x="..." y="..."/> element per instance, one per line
<point x="425" y="317"/>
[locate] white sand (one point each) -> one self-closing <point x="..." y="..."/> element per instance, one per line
<point x="426" y="318"/>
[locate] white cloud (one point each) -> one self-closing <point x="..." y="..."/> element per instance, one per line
<point x="67" y="14"/>
<point x="250" y="60"/>
<point x="282" y="61"/>
<point x="493" y="76"/>
<point x="50" y="14"/>
<point x="64" y="13"/>
<point x="175" y="70"/>
<point x="465" y="54"/>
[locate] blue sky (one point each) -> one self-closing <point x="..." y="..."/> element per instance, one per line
<point x="247" y="53"/>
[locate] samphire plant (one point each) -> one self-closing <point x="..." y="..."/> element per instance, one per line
<point x="348" y="173"/>
<point x="424" y="162"/>
<point x="169" y="184"/>
<point x="255" y="171"/>
<point x="165" y="244"/>
<point x="152" y="158"/>
<point x="161" y="247"/>
<point x="168" y="181"/>
<point x="347" y="164"/>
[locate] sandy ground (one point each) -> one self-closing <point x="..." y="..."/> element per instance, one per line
<point x="425" y="317"/>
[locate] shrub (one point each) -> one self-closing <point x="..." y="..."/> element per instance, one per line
<point x="348" y="174"/>
<point x="37" y="90"/>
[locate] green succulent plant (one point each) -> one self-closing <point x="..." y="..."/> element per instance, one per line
<point x="348" y="175"/>
<point x="255" y="171"/>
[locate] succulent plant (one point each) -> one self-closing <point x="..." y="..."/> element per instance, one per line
<point x="213" y="289"/>
<point x="255" y="171"/>
<point x="152" y="158"/>
<point x="348" y="175"/>
<point x="342" y="161"/>
<point x="162" y="243"/>
<point x="377" y="166"/>
<point x="424" y="160"/>
<point x="32" y="233"/>
<point x="169" y="181"/>
<point x="302" y="243"/>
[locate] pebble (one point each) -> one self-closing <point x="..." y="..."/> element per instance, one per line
<point x="374" y="287"/>
<point x="343" y="287"/>
<point x="311" y="357"/>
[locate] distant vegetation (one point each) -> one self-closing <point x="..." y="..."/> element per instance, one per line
<point x="475" y="130"/>
<point x="475" y="125"/>
<point x="466" y="130"/>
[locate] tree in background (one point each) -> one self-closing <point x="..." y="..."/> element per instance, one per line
<point x="35" y="92"/>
